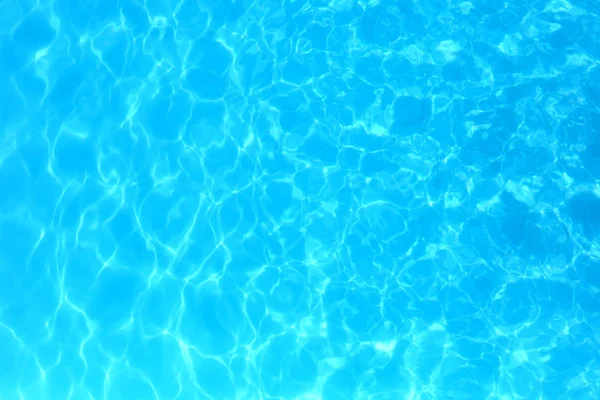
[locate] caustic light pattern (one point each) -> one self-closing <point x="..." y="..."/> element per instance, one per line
<point x="299" y="200"/>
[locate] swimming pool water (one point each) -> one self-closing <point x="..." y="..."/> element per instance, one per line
<point x="205" y="199"/>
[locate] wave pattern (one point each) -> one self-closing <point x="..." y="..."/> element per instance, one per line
<point x="337" y="199"/>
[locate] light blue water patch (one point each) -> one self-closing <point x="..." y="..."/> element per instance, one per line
<point x="299" y="200"/>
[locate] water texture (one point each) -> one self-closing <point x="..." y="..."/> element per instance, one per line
<point x="218" y="199"/>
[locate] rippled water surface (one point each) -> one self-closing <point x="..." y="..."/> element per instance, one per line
<point x="217" y="199"/>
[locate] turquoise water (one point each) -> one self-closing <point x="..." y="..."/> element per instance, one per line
<point x="304" y="200"/>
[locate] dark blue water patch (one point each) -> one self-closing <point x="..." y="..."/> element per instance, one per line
<point x="211" y="318"/>
<point x="287" y="97"/>
<point x="125" y="231"/>
<point x="340" y="114"/>
<point x="482" y="283"/>
<point x="298" y="122"/>
<point x="362" y="260"/>
<point x="555" y="297"/>
<point x="330" y="86"/>
<point x="384" y="24"/>
<point x="230" y="214"/>
<point x="591" y="156"/>
<point x="426" y="222"/>
<point x="12" y="57"/>
<point x="241" y="174"/>
<point x="585" y="213"/>
<point x="213" y="376"/>
<point x="28" y="82"/>
<point x="157" y="305"/>
<point x="511" y="95"/>
<point x="588" y="270"/>
<point x="241" y="375"/>
<point x="303" y="373"/>
<point x="342" y="384"/>
<point x="525" y="382"/>
<point x="255" y="308"/>
<point x="390" y="378"/>
<point x="399" y="71"/>
<point x="113" y="295"/>
<point x="257" y="70"/>
<point x="277" y="199"/>
<point x="410" y="113"/>
<point x="370" y="67"/>
<point x="209" y="55"/>
<point x="150" y="355"/>
<point x="360" y="97"/>
<point x="568" y="34"/>
<point x="516" y="306"/>
<point x="506" y="232"/>
<point x="125" y="381"/>
<point x="460" y="71"/>
<point x="61" y="378"/>
<point x="113" y="46"/>
<point x="310" y="181"/>
<point x="427" y="311"/>
<point x="441" y="178"/>
<point x="587" y="301"/>
<point x="465" y="382"/>
<point x="586" y="174"/>
<point x="220" y="158"/>
<point x="166" y="114"/>
<point x="10" y="349"/>
<point x="325" y="229"/>
<point x="385" y="221"/>
<point x="136" y="17"/>
<point x="89" y="17"/>
<point x="346" y="15"/>
<point x="316" y="34"/>
<point x="398" y="245"/>
<point x="375" y="163"/>
<point x="295" y="244"/>
<point x="74" y="156"/>
<point x="316" y="62"/>
<point x="481" y="153"/>
<point x="361" y="311"/>
<point x="12" y="104"/>
<point x="475" y="235"/>
<point x="33" y="33"/>
<point x="204" y="123"/>
<point x="359" y="138"/>
<point x="470" y="347"/>
<point x="296" y="24"/>
<point x="289" y="294"/>
<point x="534" y="243"/>
<point x="15" y="179"/>
<point x="140" y="66"/>
<point x="571" y="356"/>
<point x="205" y="84"/>
<point x="62" y="96"/>
<point x="18" y="275"/>
<point x="295" y="71"/>
<point x="419" y="270"/>
<point x="274" y="368"/>
<point x="35" y="300"/>
<point x="522" y="161"/>
<point x="172" y="222"/>
<point x="512" y="205"/>
<point x="348" y="158"/>
<point x="123" y="141"/>
<point x="425" y="358"/>
<point x="212" y="258"/>
<point x="457" y="303"/>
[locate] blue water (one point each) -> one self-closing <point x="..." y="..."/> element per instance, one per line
<point x="218" y="199"/>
